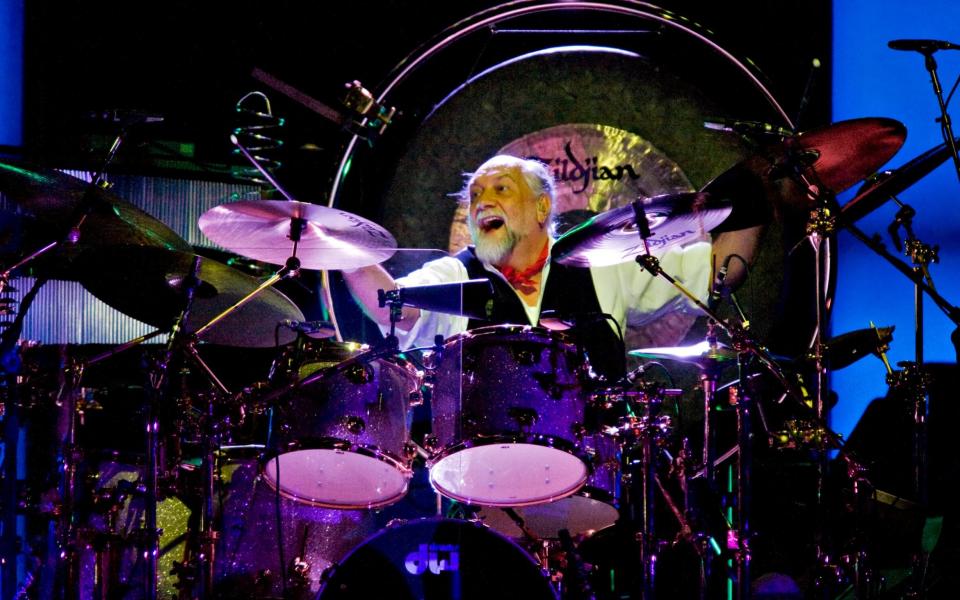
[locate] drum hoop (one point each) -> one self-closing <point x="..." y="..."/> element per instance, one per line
<point x="534" y="439"/>
<point x="335" y="444"/>
<point x="507" y="329"/>
<point x="521" y="439"/>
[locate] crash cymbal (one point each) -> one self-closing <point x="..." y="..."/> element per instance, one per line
<point x="147" y="284"/>
<point x="879" y="189"/>
<point x="846" y="152"/>
<point x="612" y="237"/>
<point x="58" y="200"/>
<point x="330" y="238"/>
<point x="697" y="353"/>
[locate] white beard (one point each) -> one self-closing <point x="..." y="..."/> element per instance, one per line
<point x="494" y="251"/>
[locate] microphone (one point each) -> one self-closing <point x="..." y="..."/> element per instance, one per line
<point x="718" y="290"/>
<point x="126" y="115"/>
<point x="307" y="327"/>
<point x="755" y="128"/>
<point x="635" y="374"/>
<point x="358" y="99"/>
<point x="924" y="46"/>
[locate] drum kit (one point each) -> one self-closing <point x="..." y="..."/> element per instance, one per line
<point x="529" y="458"/>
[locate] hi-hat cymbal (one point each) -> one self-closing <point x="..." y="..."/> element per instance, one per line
<point x="843" y="153"/>
<point x="697" y="353"/>
<point x="147" y="284"/>
<point x="612" y="237"/>
<point x="59" y="200"/>
<point x="329" y="239"/>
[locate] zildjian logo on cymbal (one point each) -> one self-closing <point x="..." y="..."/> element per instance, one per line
<point x="587" y="171"/>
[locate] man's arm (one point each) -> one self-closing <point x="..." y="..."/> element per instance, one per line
<point x="364" y="284"/>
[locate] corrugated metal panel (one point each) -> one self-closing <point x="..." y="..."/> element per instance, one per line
<point x="65" y="313"/>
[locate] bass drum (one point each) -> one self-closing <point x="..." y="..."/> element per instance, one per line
<point x="615" y="117"/>
<point x="437" y="559"/>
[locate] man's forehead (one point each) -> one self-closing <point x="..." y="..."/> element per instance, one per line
<point x="496" y="172"/>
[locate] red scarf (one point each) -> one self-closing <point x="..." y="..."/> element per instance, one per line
<point x="523" y="280"/>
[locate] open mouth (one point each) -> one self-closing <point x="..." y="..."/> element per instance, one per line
<point x="490" y="223"/>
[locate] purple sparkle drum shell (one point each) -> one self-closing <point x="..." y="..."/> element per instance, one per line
<point x="342" y="437"/>
<point x="508" y="407"/>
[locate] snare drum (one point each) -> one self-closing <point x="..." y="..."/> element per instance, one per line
<point x="344" y="435"/>
<point x="437" y="559"/>
<point x="508" y="413"/>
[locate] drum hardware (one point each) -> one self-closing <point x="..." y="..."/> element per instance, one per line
<point x="466" y="298"/>
<point x="585" y="249"/>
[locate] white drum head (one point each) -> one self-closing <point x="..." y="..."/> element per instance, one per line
<point x="338" y="479"/>
<point x="508" y="474"/>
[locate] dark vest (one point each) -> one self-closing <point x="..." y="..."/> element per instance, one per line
<point x="570" y="293"/>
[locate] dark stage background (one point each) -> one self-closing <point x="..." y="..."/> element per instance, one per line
<point x="191" y="63"/>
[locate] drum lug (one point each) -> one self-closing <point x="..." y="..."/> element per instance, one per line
<point x="431" y="443"/>
<point x="354" y="424"/>
<point x="524" y="417"/>
<point x="358" y="374"/>
<point x="415" y="399"/>
<point x="409" y="451"/>
<point x="578" y="431"/>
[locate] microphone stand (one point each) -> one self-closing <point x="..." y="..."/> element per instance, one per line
<point x="945" y="124"/>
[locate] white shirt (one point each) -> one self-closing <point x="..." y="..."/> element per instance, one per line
<point x="625" y="291"/>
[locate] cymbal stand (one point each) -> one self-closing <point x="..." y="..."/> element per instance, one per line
<point x="200" y="568"/>
<point x="292" y="266"/>
<point x="157" y="389"/>
<point x="911" y="379"/>
<point x="83" y="208"/>
<point x="742" y="342"/>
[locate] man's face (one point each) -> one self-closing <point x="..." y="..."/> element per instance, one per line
<point x="503" y="211"/>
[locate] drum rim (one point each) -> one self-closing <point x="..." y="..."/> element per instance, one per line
<point x="532" y="439"/>
<point x="557" y="337"/>
<point x="499" y="439"/>
<point x="367" y="451"/>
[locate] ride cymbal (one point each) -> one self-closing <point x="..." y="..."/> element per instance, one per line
<point x="613" y="237"/>
<point x="327" y="238"/>
<point x="148" y="285"/>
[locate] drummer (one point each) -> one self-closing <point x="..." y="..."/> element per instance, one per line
<point x="511" y="202"/>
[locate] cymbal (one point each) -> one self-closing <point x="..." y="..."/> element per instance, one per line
<point x="612" y="237"/>
<point x="330" y="239"/>
<point x="890" y="183"/>
<point x="147" y="284"/>
<point x="697" y="353"/>
<point x="57" y="199"/>
<point x="846" y="152"/>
